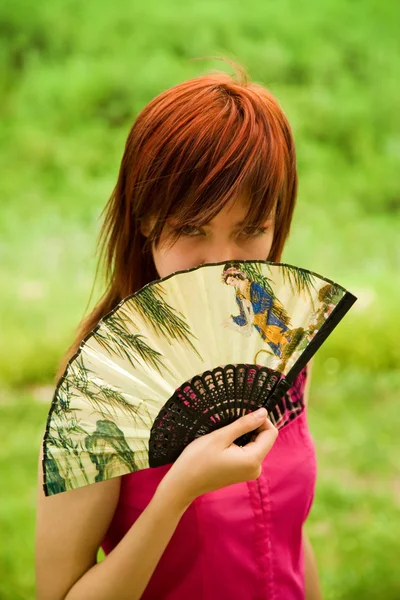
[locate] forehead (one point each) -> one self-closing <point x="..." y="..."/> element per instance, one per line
<point x="234" y="213"/>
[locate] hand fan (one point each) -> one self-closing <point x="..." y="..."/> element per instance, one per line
<point x="181" y="357"/>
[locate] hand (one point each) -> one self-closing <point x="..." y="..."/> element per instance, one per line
<point x="213" y="461"/>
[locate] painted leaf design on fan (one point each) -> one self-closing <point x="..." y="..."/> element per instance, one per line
<point x="106" y="447"/>
<point x="65" y="434"/>
<point x="114" y="336"/>
<point x="164" y="319"/>
<point x="55" y="482"/>
<point x="106" y="399"/>
<point x="59" y="437"/>
<point x="299" y="280"/>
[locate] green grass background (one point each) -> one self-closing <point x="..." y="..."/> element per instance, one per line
<point x="73" y="77"/>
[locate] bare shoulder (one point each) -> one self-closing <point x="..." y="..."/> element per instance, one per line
<point x="70" y="527"/>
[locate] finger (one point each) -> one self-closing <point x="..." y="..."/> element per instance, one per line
<point x="262" y="427"/>
<point x="244" y="424"/>
<point x="265" y="426"/>
<point x="262" y="440"/>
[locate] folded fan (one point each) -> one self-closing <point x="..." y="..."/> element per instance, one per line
<point x="181" y="357"/>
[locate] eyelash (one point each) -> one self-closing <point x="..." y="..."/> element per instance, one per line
<point x="258" y="231"/>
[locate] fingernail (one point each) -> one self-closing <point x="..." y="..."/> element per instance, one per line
<point x="261" y="413"/>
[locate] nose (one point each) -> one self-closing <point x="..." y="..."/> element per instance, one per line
<point x="222" y="252"/>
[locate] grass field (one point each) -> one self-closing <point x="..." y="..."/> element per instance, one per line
<point x="73" y="77"/>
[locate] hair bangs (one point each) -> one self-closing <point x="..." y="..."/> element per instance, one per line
<point x="234" y="152"/>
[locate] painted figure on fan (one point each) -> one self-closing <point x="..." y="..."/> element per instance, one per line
<point x="255" y="305"/>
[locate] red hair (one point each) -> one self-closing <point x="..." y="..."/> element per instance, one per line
<point x="189" y="151"/>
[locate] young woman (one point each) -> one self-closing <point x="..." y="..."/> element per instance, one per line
<point x="208" y="174"/>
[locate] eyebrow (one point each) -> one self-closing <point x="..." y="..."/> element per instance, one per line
<point x="237" y="225"/>
<point x="243" y="222"/>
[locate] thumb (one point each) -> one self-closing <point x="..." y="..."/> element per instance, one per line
<point x="244" y="424"/>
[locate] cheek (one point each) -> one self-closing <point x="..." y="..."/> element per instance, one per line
<point x="179" y="257"/>
<point x="257" y="248"/>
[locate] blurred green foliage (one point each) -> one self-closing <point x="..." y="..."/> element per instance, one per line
<point x="73" y="76"/>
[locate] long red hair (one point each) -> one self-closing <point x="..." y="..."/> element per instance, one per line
<point x="190" y="150"/>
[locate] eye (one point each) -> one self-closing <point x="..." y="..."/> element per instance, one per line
<point x="255" y="231"/>
<point x="189" y="231"/>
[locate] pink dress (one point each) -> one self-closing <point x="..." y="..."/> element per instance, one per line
<point x="243" y="541"/>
